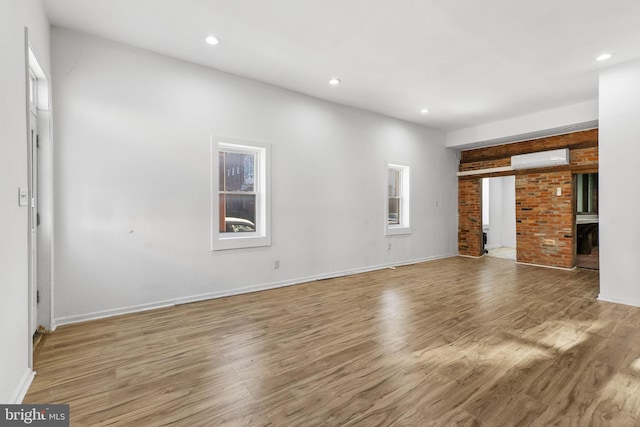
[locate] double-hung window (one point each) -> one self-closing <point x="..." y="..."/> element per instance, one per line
<point x="241" y="204"/>
<point x="397" y="200"/>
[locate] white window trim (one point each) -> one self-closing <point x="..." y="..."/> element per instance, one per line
<point x="262" y="235"/>
<point x="405" y="207"/>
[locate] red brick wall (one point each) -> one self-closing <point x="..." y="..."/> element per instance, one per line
<point x="470" y="217"/>
<point x="583" y="157"/>
<point x="544" y="220"/>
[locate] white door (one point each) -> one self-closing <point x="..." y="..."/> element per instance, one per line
<point x="33" y="208"/>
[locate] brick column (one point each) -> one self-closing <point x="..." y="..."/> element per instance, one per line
<point x="470" y="217"/>
<point x="544" y="219"/>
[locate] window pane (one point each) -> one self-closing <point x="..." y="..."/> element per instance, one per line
<point x="394" y="210"/>
<point x="394" y="196"/>
<point x="239" y="213"/>
<point x="237" y="171"/>
<point x="394" y="182"/>
<point x="221" y="171"/>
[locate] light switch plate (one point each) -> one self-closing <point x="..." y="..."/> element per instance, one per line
<point x="23" y="197"/>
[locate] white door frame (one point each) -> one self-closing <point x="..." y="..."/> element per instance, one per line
<point x="40" y="185"/>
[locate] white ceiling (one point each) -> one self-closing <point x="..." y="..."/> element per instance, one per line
<point x="470" y="62"/>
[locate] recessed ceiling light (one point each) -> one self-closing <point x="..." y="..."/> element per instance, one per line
<point x="212" y="40"/>
<point x="604" y="57"/>
<point x="424" y="111"/>
<point x="334" y="81"/>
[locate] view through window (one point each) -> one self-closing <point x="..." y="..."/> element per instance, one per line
<point x="237" y="189"/>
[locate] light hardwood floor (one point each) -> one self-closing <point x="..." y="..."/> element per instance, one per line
<point x="451" y="342"/>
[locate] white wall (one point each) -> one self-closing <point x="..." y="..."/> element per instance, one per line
<point x="494" y="204"/>
<point x="15" y="15"/>
<point x="565" y="119"/>
<point x="502" y="212"/>
<point x="133" y="153"/>
<point x="508" y="226"/>
<point x="619" y="204"/>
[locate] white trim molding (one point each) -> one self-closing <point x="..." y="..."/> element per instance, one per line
<point x="625" y="301"/>
<point x="23" y="387"/>
<point x="546" y="266"/>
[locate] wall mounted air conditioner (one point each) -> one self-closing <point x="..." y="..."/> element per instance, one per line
<point x="541" y="159"/>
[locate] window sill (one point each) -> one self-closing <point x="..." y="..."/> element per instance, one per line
<point x="396" y="230"/>
<point x="240" y="242"/>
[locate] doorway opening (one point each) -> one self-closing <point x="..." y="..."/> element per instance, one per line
<point x="499" y="216"/>
<point x="587" y="232"/>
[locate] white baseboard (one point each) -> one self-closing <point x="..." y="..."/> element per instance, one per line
<point x="546" y="266"/>
<point x="300" y="280"/>
<point x="110" y="313"/>
<point x="23" y="387"/>
<point x="230" y="292"/>
<point x="625" y="301"/>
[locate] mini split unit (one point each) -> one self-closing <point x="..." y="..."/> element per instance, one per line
<point x="541" y="159"/>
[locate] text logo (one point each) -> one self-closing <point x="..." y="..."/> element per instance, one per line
<point x="34" y="415"/>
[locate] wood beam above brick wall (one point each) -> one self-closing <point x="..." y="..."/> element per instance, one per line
<point x="576" y="140"/>
<point x="590" y="168"/>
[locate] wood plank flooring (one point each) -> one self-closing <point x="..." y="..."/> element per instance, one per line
<point x="451" y="342"/>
